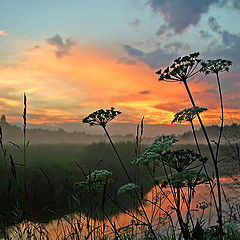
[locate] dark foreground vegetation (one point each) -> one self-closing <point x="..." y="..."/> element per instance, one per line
<point x="54" y="170"/>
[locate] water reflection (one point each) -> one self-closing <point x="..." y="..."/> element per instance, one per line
<point x="159" y="211"/>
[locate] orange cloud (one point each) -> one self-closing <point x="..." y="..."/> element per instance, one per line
<point x="68" y="88"/>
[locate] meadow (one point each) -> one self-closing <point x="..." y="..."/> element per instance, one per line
<point x="54" y="170"/>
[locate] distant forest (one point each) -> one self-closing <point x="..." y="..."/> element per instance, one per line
<point x="230" y="133"/>
<point x="12" y="133"/>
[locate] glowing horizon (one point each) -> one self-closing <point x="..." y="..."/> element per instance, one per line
<point x="66" y="78"/>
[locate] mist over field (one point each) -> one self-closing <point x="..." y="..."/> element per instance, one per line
<point x="150" y="130"/>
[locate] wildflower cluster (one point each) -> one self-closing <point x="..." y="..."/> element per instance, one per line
<point x="95" y="181"/>
<point x="188" y="178"/>
<point x="101" y="117"/>
<point x="161" y="144"/>
<point x="215" y="66"/>
<point x="99" y="176"/>
<point x="127" y="188"/>
<point x="181" y="159"/>
<point x="188" y="114"/>
<point x="181" y="69"/>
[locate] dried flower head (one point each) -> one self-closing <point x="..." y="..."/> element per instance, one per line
<point x="101" y="117"/>
<point x="181" y="69"/>
<point x="188" y="114"/>
<point x="215" y="66"/>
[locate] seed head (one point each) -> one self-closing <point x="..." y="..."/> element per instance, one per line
<point x="215" y="66"/>
<point x="181" y="69"/>
<point x="101" y="117"/>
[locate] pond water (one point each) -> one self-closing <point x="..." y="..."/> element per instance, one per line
<point x="131" y="222"/>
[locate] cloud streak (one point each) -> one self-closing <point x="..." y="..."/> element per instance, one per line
<point x="153" y="59"/>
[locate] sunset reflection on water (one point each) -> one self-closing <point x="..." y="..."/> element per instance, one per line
<point x="158" y="218"/>
<point x="156" y="207"/>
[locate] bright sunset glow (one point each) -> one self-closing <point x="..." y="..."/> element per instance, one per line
<point x="69" y="74"/>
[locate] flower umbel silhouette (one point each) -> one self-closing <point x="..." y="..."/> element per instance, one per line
<point x="215" y="66"/>
<point x="188" y="114"/>
<point x="181" y="69"/>
<point x="101" y="117"/>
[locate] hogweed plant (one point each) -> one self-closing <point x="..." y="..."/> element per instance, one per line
<point x="182" y="168"/>
<point x="95" y="184"/>
<point x="215" y="67"/>
<point x="181" y="177"/>
<point x="96" y="181"/>
<point x="101" y="118"/>
<point x="189" y="115"/>
<point x="127" y="188"/>
<point x="182" y="69"/>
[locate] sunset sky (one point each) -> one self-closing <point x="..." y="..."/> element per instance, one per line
<point x="72" y="57"/>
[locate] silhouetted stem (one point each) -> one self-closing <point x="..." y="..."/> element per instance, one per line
<point x="125" y="170"/>
<point x="188" y="204"/>
<point x="160" y="188"/>
<point x="183" y="226"/>
<point x="204" y="167"/>
<point x="177" y="200"/>
<point x="4" y="150"/>
<point x="125" y="211"/>
<point x="116" y="152"/>
<point x="220" y="222"/>
<point x="166" y="212"/>
<point x="91" y="208"/>
<point x="24" y="146"/>
<point x="222" y="120"/>
<point x="112" y="225"/>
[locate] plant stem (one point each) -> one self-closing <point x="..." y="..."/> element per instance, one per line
<point x="125" y="170"/>
<point x="205" y="169"/>
<point x="168" y="215"/>
<point x="125" y="211"/>
<point x="116" y="152"/>
<point x="222" y="120"/>
<point x="24" y="145"/>
<point x="160" y="188"/>
<point x="183" y="226"/>
<point x="220" y="222"/>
